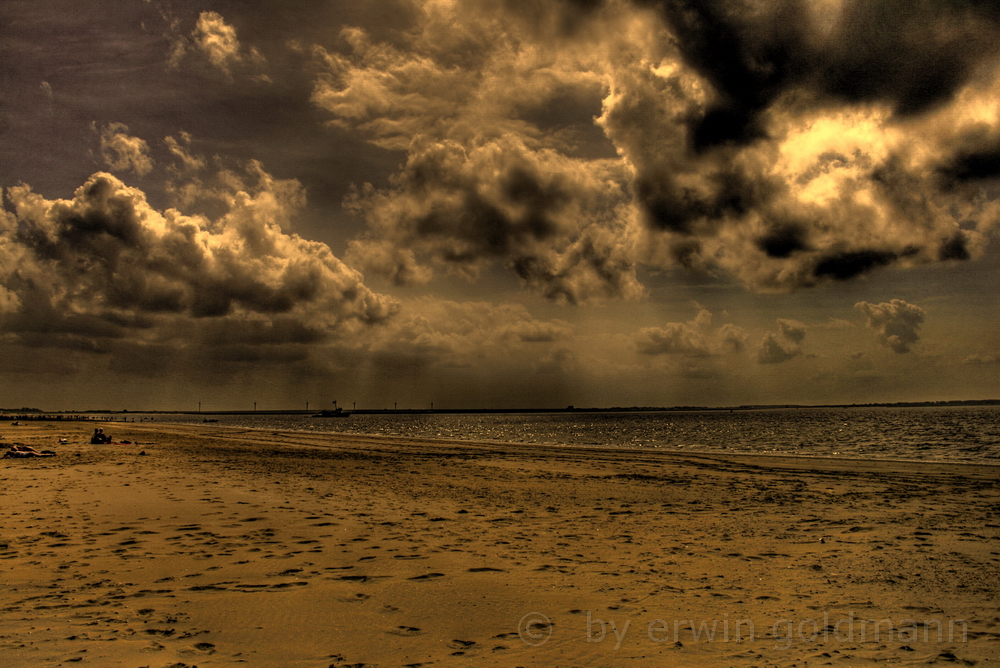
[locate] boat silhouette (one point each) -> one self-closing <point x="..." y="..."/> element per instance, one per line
<point x="336" y="412"/>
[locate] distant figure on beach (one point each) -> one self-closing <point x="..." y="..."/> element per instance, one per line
<point x="100" y="437"/>
<point x="24" y="451"/>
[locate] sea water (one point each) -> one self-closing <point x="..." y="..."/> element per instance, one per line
<point x="955" y="433"/>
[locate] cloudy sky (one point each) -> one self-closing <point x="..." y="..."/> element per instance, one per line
<point x="498" y="203"/>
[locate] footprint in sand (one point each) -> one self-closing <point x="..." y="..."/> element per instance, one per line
<point x="207" y="588"/>
<point x="427" y="576"/>
<point x="405" y="631"/>
<point x="359" y="578"/>
<point x="153" y="647"/>
<point x="199" y="649"/>
<point x="356" y="598"/>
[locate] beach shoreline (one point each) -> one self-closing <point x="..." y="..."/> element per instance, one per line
<point x="221" y="546"/>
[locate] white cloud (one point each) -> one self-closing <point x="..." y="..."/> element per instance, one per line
<point x="694" y="338"/>
<point x="896" y="322"/>
<point x="123" y="152"/>
<point x="181" y="150"/>
<point x="778" y="348"/>
<point x="774" y="351"/>
<point x="793" y="330"/>
<point x="218" y="43"/>
<point x="217" y="40"/>
<point x="978" y="360"/>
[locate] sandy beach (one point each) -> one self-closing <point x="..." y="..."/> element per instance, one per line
<point x="206" y="546"/>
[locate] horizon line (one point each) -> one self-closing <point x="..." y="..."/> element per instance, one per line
<point x="36" y="412"/>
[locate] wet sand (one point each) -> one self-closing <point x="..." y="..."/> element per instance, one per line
<point x="222" y="547"/>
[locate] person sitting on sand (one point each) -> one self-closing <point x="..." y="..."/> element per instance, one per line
<point x="24" y="451"/>
<point x="99" y="437"/>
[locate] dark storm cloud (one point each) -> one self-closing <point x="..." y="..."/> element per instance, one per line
<point x="973" y="166"/>
<point x="163" y="293"/>
<point x="748" y="58"/>
<point x="782" y="240"/>
<point x="974" y="160"/>
<point x="572" y="142"/>
<point x="752" y="53"/>
<point x="849" y="264"/>
<point x="788" y="144"/>
<point x="914" y="59"/>
<point x="675" y="207"/>
<point x="500" y="201"/>
<point x="721" y="139"/>
<point x="105" y="265"/>
<point x="493" y="173"/>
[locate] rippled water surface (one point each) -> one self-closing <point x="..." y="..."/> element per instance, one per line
<point x="967" y="433"/>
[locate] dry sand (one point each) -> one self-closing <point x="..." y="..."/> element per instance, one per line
<point x="227" y="547"/>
